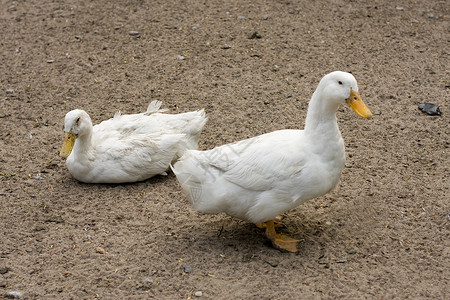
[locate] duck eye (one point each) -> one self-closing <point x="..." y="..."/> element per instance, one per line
<point x="340" y="82"/>
<point x="77" y="120"/>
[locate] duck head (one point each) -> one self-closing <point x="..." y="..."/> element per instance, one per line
<point x="341" y="87"/>
<point x="77" y="123"/>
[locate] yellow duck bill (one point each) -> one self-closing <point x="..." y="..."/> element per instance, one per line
<point x="358" y="105"/>
<point x="69" y="141"/>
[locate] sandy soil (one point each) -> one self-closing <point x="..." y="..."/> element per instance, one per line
<point x="382" y="234"/>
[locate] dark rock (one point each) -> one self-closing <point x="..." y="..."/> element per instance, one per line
<point x="430" y="108"/>
<point x="255" y="35"/>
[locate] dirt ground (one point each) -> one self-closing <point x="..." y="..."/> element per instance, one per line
<point x="253" y="65"/>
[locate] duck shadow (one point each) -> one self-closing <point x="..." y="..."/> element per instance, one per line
<point x="229" y="234"/>
<point x="68" y="180"/>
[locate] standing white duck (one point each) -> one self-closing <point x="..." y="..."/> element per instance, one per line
<point x="128" y="148"/>
<point x="259" y="178"/>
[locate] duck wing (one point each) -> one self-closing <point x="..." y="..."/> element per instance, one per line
<point x="259" y="163"/>
<point x="129" y="159"/>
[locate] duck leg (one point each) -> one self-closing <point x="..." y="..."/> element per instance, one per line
<point x="276" y="222"/>
<point x="280" y="241"/>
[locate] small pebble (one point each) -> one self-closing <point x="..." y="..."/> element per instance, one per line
<point x="341" y="260"/>
<point x="54" y="219"/>
<point x="181" y="57"/>
<point x="9" y="91"/>
<point x="4" y="270"/>
<point x="328" y="223"/>
<point x="399" y="8"/>
<point x="134" y="33"/>
<point x="226" y="47"/>
<point x="272" y="263"/>
<point x="100" y="250"/>
<point x="40" y="228"/>
<point x="198" y="294"/>
<point x="187" y="268"/>
<point x="14" y="295"/>
<point x="241" y="18"/>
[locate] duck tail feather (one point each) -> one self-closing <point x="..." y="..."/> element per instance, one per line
<point x="154" y="107"/>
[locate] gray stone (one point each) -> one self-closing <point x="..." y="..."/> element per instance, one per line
<point x="187" y="268"/>
<point x="198" y="294"/>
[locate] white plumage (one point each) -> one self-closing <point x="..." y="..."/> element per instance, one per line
<point x="128" y="148"/>
<point x="259" y="178"/>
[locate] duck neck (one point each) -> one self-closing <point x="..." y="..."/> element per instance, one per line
<point x="322" y="130"/>
<point x="321" y="117"/>
<point x="83" y="145"/>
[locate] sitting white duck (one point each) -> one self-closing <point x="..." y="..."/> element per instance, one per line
<point x="259" y="178"/>
<point x="128" y="148"/>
